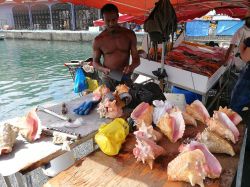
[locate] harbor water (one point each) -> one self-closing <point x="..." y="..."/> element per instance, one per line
<point x="33" y="73"/>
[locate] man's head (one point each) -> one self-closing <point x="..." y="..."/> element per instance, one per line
<point x="247" y="19"/>
<point x="110" y="15"/>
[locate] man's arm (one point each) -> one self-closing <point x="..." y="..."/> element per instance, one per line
<point x="134" y="54"/>
<point x="228" y="53"/>
<point x="97" y="53"/>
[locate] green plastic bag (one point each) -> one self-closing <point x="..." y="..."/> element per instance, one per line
<point x="111" y="136"/>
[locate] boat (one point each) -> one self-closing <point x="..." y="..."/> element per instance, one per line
<point x="2" y="37"/>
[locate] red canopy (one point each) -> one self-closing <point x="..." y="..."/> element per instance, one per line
<point x="23" y="1"/>
<point x="122" y="19"/>
<point x="185" y="9"/>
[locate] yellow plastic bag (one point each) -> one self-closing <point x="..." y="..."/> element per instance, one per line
<point x="111" y="136"/>
<point x="92" y="84"/>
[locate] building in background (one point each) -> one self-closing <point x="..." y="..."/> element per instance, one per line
<point x="45" y="14"/>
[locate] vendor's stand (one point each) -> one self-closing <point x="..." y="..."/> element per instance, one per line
<point x="52" y="155"/>
<point x="98" y="169"/>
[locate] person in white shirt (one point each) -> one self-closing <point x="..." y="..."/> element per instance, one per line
<point x="233" y="50"/>
<point x="245" y="50"/>
<point x="240" y="96"/>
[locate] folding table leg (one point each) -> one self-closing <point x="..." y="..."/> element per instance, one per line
<point x="94" y="144"/>
<point x="7" y="181"/>
<point x="28" y="180"/>
<point x="19" y="179"/>
<point x="204" y="99"/>
<point x="241" y="161"/>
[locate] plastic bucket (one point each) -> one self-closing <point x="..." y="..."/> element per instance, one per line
<point x="189" y="96"/>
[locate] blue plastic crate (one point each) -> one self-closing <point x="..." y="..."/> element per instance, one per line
<point x="189" y="96"/>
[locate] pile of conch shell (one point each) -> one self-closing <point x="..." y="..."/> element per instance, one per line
<point x="8" y="134"/>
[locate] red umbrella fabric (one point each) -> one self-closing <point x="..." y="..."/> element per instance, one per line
<point x="185" y="9"/>
<point x="123" y="18"/>
<point x="24" y="1"/>
<point x="233" y="12"/>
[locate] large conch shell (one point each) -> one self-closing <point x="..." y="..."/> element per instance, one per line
<point x="8" y="134"/>
<point x="233" y="116"/>
<point x="188" y="166"/>
<point x="172" y="125"/>
<point x="215" y="143"/>
<point x="100" y="92"/>
<point x="148" y="132"/>
<point x="223" y="126"/>
<point x="146" y="150"/>
<point x="122" y="88"/>
<point x="188" y="119"/>
<point x="143" y="113"/>
<point x="198" y="111"/>
<point x="30" y="126"/>
<point x="109" y="109"/>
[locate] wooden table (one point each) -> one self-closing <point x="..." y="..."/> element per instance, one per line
<point x="98" y="169"/>
<point x="26" y="156"/>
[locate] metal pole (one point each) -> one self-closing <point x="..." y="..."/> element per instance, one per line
<point x="73" y="19"/>
<point x="163" y="55"/>
<point x="241" y="161"/>
<point x="30" y="16"/>
<point x="51" y="19"/>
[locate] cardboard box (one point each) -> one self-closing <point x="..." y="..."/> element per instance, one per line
<point x="182" y="78"/>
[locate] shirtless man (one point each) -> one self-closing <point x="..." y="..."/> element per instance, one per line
<point x="115" y="44"/>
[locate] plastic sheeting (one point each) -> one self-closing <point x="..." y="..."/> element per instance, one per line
<point x="228" y="27"/>
<point x="197" y="28"/>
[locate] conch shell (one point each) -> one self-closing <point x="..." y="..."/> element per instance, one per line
<point x="233" y="116"/>
<point x="143" y="113"/>
<point x="147" y="150"/>
<point x="8" y="134"/>
<point x="215" y="143"/>
<point x="30" y="126"/>
<point x="223" y="126"/>
<point x="172" y="125"/>
<point x="198" y="111"/>
<point x="109" y="109"/>
<point x="149" y="132"/>
<point x="100" y="92"/>
<point x="189" y="167"/>
<point x="122" y="88"/>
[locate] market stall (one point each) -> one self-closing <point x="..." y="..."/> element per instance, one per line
<point x="146" y="155"/>
<point x="166" y="126"/>
<point x="173" y="128"/>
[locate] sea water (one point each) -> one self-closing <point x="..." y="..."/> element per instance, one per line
<point x="33" y="73"/>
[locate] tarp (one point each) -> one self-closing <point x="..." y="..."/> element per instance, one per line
<point x="228" y="27"/>
<point x="197" y="28"/>
<point x="123" y="18"/>
<point x="185" y="9"/>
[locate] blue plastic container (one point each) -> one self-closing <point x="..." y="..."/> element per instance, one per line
<point x="189" y="96"/>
